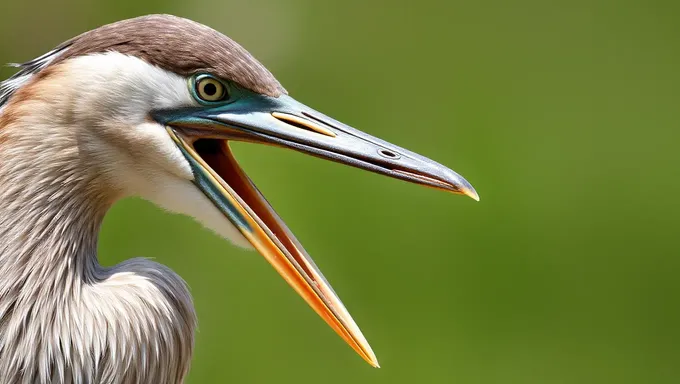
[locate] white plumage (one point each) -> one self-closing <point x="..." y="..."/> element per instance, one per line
<point x="147" y="107"/>
<point x="73" y="154"/>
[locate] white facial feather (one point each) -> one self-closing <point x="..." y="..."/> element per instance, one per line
<point x="82" y="140"/>
<point x="116" y="93"/>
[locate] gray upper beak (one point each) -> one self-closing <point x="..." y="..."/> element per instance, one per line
<point x="285" y="122"/>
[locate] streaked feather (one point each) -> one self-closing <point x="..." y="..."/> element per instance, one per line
<point x="26" y="71"/>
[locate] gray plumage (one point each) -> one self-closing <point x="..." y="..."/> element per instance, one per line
<point x="63" y="147"/>
<point x="63" y="317"/>
<point x="118" y="112"/>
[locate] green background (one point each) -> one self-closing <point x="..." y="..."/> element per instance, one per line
<point x="565" y="117"/>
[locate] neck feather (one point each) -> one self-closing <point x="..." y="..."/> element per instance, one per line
<point x="50" y="210"/>
<point x="61" y="314"/>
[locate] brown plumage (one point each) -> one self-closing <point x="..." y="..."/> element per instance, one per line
<point x="177" y="45"/>
<point x="115" y="113"/>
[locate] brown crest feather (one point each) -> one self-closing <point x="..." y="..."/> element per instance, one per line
<point x="178" y="45"/>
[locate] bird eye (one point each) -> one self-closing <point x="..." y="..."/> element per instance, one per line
<point x="210" y="89"/>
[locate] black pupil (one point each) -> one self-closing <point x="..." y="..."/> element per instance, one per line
<point x="210" y="89"/>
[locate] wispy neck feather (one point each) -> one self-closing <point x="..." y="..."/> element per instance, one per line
<point x="63" y="317"/>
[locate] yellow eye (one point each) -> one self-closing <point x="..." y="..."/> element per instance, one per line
<point x="210" y="89"/>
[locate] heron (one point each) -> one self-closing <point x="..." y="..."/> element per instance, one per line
<point x="148" y="107"/>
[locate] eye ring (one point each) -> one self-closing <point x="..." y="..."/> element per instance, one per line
<point x="208" y="89"/>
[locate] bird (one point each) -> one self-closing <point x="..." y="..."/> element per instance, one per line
<point x="148" y="107"/>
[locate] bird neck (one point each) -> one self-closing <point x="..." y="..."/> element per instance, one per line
<point x="50" y="207"/>
<point x="53" y="292"/>
<point x="57" y="304"/>
<point x="47" y="228"/>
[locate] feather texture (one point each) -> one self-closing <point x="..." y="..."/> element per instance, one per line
<point x="75" y="137"/>
<point x="73" y="141"/>
<point x="26" y="71"/>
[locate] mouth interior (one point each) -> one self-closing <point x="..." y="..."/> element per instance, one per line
<point x="276" y="243"/>
<point x="218" y="155"/>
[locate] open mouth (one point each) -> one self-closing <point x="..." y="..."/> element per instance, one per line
<point x="235" y="194"/>
<point x="203" y="137"/>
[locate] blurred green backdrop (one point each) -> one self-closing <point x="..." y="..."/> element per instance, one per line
<point x="565" y="117"/>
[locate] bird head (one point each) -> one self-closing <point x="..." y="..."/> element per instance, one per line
<point x="152" y="104"/>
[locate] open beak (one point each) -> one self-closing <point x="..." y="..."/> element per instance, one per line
<point x="203" y="135"/>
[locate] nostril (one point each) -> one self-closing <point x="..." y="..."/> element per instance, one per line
<point x="388" y="154"/>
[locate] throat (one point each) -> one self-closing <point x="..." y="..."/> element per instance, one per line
<point x="63" y="317"/>
<point x="50" y="217"/>
<point x="48" y="234"/>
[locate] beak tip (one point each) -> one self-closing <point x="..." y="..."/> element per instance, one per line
<point x="465" y="188"/>
<point x="471" y="193"/>
<point x="367" y="353"/>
